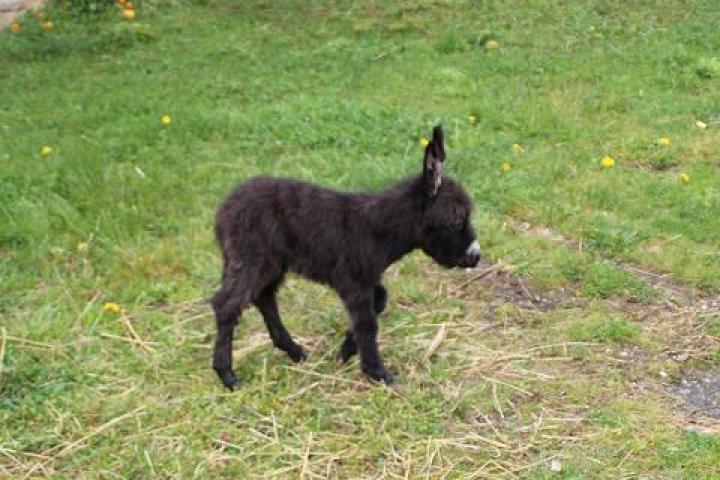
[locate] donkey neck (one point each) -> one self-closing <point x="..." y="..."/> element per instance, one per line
<point x="395" y="217"/>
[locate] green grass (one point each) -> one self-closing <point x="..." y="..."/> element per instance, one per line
<point x="615" y="330"/>
<point x="340" y="93"/>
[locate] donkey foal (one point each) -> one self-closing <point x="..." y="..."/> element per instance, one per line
<point x="268" y="226"/>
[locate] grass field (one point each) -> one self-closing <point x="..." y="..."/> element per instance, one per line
<point x="569" y="353"/>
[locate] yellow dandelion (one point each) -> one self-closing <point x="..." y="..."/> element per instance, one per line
<point x="111" y="307"/>
<point x="165" y="120"/>
<point x="46" y="151"/>
<point x="701" y="125"/>
<point x="424" y="142"/>
<point x="517" y="148"/>
<point x="15" y="27"/>
<point x="506" y="167"/>
<point x="47" y="26"/>
<point x="684" y="177"/>
<point x="664" y="141"/>
<point x="490" y="44"/>
<point x="608" y="162"/>
<point x="122" y="2"/>
<point x="472" y="119"/>
<point x="128" y="14"/>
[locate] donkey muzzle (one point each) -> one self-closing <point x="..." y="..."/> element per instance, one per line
<point x="472" y="255"/>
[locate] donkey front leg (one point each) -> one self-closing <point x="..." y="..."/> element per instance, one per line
<point x="381" y="296"/>
<point x="349" y="347"/>
<point x="364" y="328"/>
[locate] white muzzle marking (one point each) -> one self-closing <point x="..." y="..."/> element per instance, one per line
<point x="473" y="249"/>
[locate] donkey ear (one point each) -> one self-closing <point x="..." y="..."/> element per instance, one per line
<point x="433" y="162"/>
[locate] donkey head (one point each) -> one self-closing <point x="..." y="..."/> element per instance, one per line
<point x="447" y="234"/>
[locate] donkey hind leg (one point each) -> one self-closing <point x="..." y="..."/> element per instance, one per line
<point x="228" y="304"/>
<point x="349" y="347"/>
<point x="239" y="290"/>
<point x="267" y="304"/>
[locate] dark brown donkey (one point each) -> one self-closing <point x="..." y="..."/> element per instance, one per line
<point x="268" y="226"/>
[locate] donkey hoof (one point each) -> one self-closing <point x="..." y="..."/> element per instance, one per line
<point x="388" y="378"/>
<point x="297" y="354"/>
<point x="381" y="375"/>
<point x="227" y="377"/>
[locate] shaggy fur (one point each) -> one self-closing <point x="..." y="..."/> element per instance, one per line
<point x="268" y="226"/>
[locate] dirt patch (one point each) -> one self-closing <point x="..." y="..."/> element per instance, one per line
<point x="699" y="392"/>
<point x="514" y="289"/>
<point x="673" y="291"/>
<point x="676" y="315"/>
<point x="632" y="353"/>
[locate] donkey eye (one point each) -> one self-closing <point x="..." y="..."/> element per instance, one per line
<point x="457" y="227"/>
